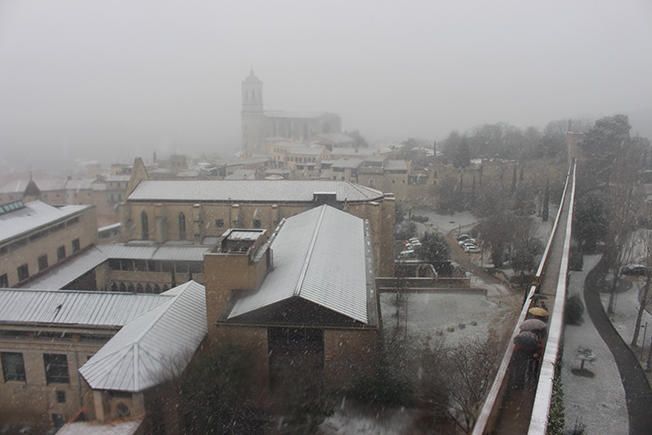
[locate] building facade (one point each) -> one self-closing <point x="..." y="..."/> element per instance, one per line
<point x="170" y="210"/>
<point x="302" y="299"/>
<point x="36" y="237"/>
<point x="258" y="124"/>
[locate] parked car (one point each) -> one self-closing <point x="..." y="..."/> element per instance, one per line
<point x="472" y="249"/>
<point x="414" y="240"/>
<point x="408" y="253"/>
<point x="633" y="269"/>
<point x="467" y="241"/>
<point x="463" y="237"/>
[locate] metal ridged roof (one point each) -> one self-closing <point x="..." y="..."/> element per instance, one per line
<point x="153" y="347"/>
<point x="249" y="190"/>
<point x="35" y="214"/>
<point x="319" y="255"/>
<point x="61" y="275"/>
<point x="74" y="307"/>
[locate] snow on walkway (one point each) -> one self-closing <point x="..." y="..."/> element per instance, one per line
<point x="625" y="311"/>
<point x="598" y="402"/>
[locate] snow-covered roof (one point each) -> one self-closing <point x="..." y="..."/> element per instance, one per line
<point x="310" y="150"/>
<point x="320" y="255"/>
<point x="161" y="252"/>
<point x="242" y="174"/>
<point x="396" y="165"/>
<point x="249" y="190"/>
<point x="289" y="114"/>
<point x="74" y="307"/>
<point x="61" y="275"/>
<point x="48" y="184"/>
<point x="109" y="227"/>
<point x="34" y="215"/>
<point x="128" y="427"/>
<point x="244" y="234"/>
<point x="153" y="347"/>
<point x="347" y="163"/>
<point x="117" y="178"/>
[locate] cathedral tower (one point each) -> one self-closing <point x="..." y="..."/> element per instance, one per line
<point x="252" y="114"/>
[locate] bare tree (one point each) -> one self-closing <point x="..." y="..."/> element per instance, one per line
<point x="624" y="205"/>
<point x="645" y="297"/>
<point x="455" y="380"/>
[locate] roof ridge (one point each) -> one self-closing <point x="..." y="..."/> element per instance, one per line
<point x="157" y="317"/>
<point x="311" y="247"/>
<point x="68" y="292"/>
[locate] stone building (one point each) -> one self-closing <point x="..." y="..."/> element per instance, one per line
<point x="94" y="356"/>
<point x="103" y="192"/>
<point x="165" y="210"/>
<point x="301" y="298"/>
<point x="258" y="124"/>
<point x="36" y="237"/>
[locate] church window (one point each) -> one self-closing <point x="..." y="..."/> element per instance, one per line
<point x="182" y="226"/>
<point x="144" y="226"/>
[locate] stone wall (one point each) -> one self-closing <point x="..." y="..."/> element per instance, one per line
<point x="34" y="401"/>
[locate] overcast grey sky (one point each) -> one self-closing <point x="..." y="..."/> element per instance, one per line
<point x="115" y="78"/>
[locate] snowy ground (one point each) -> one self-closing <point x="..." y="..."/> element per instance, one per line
<point x="624" y="318"/>
<point x="444" y="223"/>
<point x="447" y="316"/>
<point x="349" y="420"/>
<point x="597" y="402"/>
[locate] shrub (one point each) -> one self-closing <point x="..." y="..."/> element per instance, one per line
<point x="420" y="219"/>
<point x="574" y="310"/>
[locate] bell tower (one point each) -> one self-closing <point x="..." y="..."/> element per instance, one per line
<point x="252" y="113"/>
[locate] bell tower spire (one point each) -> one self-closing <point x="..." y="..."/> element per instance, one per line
<point x="253" y="117"/>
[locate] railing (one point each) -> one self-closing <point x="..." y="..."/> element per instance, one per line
<point x="543" y="398"/>
<point x="489" y="412"/>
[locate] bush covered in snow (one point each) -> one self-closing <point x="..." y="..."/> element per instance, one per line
<point x="574" y="310"/>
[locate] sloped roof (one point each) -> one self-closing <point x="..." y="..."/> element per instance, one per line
<point x="297" y="114"/>
<point x="63" y="274"/>
<point x="396" y="165"/>
<point x="347" y="163"/>
<point x="320" y="255"/>
<point x="35" y="214"/>
<point x="74" y="307"/>
<point x="153" y="347"/>
<point x="249" y="190"/>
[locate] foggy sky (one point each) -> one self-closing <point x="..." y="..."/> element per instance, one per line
<point x="111" y="79"/>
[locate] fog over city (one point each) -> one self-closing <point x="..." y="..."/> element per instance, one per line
<point x="112" y="80"/>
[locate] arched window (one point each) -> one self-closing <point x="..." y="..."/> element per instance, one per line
<point x="182" y="226"/>
<point x="130" y="287"/>
<point x="157" y="288"/>
<point x="139" y="288"/>
<point x="114" y="287"/>
<point x="148" y="288"/>
<point x="144" y="226"/>
<point x="123" y="287"/>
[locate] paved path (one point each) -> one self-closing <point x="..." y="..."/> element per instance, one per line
<point x="599" y="402"/>
<point x="637" y="389"/>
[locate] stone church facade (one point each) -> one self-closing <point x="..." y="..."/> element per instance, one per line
<point x="258" y="125"/>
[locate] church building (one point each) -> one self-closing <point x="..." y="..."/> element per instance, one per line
<point x="258" y="124"/>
